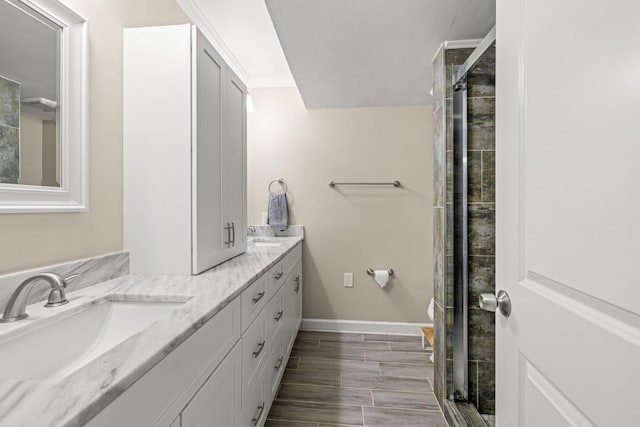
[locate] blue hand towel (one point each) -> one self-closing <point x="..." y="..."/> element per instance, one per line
<point x="278" y="211"/>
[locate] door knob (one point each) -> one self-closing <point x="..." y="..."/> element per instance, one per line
<point x="490" y="302"/>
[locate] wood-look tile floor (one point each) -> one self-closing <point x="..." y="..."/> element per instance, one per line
<point x="335" y="379"/>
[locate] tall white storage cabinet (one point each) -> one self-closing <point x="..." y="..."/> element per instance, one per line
<point x="184" y="152"/>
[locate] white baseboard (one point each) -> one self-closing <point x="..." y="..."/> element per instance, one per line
<point x="363" y="326"/>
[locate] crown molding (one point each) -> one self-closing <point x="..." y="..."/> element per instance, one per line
<point x="197" y="17"/>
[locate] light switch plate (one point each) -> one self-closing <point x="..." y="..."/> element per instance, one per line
<point x="348" y="280"/>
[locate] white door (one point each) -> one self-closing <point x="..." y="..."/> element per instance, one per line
<point x="568" y="212"/>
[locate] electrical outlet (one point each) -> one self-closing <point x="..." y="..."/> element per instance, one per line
<point x="348" y="280"/>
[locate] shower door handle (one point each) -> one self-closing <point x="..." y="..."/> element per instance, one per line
<point x="490" y="302"/>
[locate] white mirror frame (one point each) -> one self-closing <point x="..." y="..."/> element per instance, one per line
<point x="72" y="195"/>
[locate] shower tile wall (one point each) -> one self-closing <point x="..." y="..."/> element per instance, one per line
<point x="481" y="168"/>
<point x="481" y="157"/>
<point x="9" y="131"/>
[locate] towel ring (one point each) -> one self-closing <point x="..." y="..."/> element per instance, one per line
<point x="279" y="181"/>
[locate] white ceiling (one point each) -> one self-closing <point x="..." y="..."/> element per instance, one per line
<point x="343" y="53"/>
<point x="250" y="41"/>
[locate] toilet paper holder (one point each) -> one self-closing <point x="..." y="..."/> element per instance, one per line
<point x="371" y="272"/>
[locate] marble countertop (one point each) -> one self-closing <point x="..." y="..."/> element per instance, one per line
<point x="78" y="397"/>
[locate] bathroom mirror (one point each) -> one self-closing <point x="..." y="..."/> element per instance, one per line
<point x="43" y="102"/>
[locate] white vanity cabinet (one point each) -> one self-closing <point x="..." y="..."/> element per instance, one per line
<point x="184" y="152"/>
<point x="267" y="342"/>
<point x="228" y="372"/>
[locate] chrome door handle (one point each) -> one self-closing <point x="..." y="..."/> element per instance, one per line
<point x="297" y="282"/>
<point x="279" y="316"/>
<point x="259" y="350"/>
<point x="233" y="233"/>
<point x="278" y="276"/>
<point x="490" y="302"/>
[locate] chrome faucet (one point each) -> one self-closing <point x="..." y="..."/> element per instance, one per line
<point x="251" y="230"/>
<point x="16" y="306"/>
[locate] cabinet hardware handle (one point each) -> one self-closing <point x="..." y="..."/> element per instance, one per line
<point x="278" y="276"/>
<point x="233" y="231"/>
<point x="297" y="288"/>
<point x="259" y="350"/>
<point x="258" y="298"/>
<point x="280" y="360"/>
<point x="258" y="415"/>
<point x="228" y="241"/>
<point x="279" y="316"/>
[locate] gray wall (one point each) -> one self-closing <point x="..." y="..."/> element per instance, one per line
<point x="349" y="229"/>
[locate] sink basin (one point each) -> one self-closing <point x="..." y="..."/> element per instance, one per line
<point x="58" y="347"/>
<point x="265" y="243"/>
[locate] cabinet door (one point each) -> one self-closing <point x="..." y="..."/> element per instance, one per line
<point x="208" y="86"/>
<point x="217" y="403"/>
<point x="234" y="190"/>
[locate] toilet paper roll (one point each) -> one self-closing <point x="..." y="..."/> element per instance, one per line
<point x="430" y="309"/>
<point x="381" y="277"/>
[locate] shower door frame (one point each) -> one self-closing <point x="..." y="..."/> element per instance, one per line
<point x="460" y="244"/>
<point x="460" y="223"/>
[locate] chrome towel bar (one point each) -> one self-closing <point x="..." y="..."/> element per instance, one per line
<point x="371" y="272"/>
<point x="394" y="183"/>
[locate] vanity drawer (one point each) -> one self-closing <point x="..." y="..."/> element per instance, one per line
<point x="275" y="315"/>
<point x="254" y="298"/>
<point x="274" y="369"/>
<point x="255" y="406"/>
<point x="274" y="279"/>
<point x="255" y="349"/>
